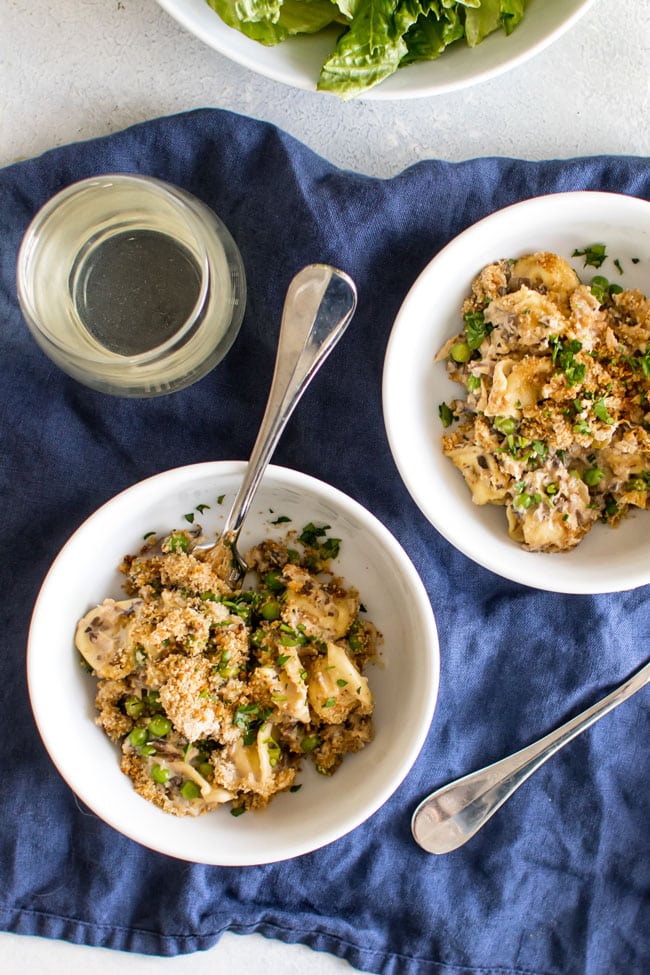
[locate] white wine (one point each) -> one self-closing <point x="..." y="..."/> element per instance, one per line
<point x="135" y="290"/>
<point x="131" y="285"/>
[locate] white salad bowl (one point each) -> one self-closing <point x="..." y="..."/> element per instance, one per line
<point x="298" y="60"/>
<point x="414" y="385"/>
<point x="404" y="681"/>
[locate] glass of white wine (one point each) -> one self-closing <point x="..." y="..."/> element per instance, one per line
<point x="131" y="285"/>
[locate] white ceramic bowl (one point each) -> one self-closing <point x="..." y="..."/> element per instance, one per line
<point x="297" y="61"/>
<point x="607" y="560"/>
<point x="405" y="682"/>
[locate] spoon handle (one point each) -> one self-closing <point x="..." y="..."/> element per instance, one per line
<point x="319" y="304"/>
<point x="451" y="815"/>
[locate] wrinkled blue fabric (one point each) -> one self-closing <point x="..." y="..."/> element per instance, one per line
<point x="558" y="883"/>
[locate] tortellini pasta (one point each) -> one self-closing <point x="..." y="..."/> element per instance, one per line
<point x="218" y="694"/>
<point x="555" y="418"/>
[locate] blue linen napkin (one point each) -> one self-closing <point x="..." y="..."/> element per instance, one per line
<point x="558" y="883"/>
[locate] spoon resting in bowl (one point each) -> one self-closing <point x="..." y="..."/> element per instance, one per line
<point x="319" y="304"/>
<point x="453" y="814"/>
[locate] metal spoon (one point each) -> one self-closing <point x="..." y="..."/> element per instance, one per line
<point x="451" y="815"/>
<point x="320" y="302"/>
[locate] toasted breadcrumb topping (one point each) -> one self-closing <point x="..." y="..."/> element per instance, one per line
<point x="217" y="693"/>
<point x="555" y="421"/>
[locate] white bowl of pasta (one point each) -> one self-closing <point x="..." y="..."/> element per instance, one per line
<point x="229" y="732"/>
<point x="522" y="432"/>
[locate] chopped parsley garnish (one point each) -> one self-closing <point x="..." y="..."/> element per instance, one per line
<point x="582" y="427"/>
<point x="600" y="411"/>
<point x="209" y="597"/>
<point x="311" y="537"/>
<point x="595" y="255"/>
<point x="476" y="329"/>
<point x="281" y="520"/>
<point x="446" y="415"/>
<point x="641" y="362"/>
<point x="249" y="718"/>
<point x="611" y="508"/>
<point x="178" y="542"/>
<point x="526" y="499"/>
<point x="563" y="356"/>
<point x="292" y="638"/>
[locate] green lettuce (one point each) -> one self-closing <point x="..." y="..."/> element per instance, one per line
<point x="377" y="36"/>
<point x="489" y="16"/>
<point x="272" y="21"/>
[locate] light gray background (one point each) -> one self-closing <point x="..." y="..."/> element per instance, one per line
<point x="75" y="69"/>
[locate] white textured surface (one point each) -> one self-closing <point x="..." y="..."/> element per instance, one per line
<point x="80" y="68"/>
<point x="239" y="955"/>
<point x="75" y="69"/>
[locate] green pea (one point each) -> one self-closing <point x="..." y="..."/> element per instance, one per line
<point x="159" y="774"/>
<point x="160" y="726"/>
<point x="309" y="742"/>
<point x="504" y="424"/>
<point x="205" y="770"/>
<point x="271" y="611"/>
<point x="592" y="476"/>
<point x="273" y="581"/>
<point x="524" y="500"/>
<point x="460" y="352"/>
<point x="138" y="737"/>
<point x="134" y="707"/>
<point x="190" y="790"/>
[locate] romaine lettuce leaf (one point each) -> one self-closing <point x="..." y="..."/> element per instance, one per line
<point x="511" y="13"/>
<point x="379" y="36"/>
<point x="432" y="33"/>
<point x="369" y="51"/>
<point x="491" y="15"/>
<point x="273" y="21"/>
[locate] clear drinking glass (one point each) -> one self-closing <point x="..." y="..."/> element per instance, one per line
<point x="131" y="285"/>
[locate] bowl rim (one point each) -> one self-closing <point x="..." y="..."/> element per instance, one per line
<point x="173" y="478"/>
<point x="587" y="200"/>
